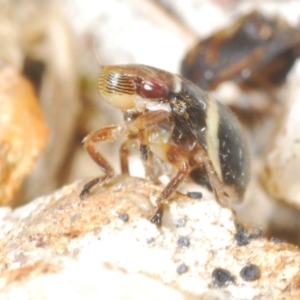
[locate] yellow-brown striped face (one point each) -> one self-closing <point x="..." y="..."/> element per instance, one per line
<point x="129" y="87"/>
<point x="117" y="88"/>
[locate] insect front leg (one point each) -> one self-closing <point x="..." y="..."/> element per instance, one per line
<point x="146" y="124"/>
<point x="178" y="159"/>
<point x="127" y="148"/>
<point x="109" y="133"/>
<point x="138" y="130"/>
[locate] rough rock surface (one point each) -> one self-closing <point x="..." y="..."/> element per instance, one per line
<point x="59" y="245"/>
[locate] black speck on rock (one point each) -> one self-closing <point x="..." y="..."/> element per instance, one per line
<point x="221" y="277"/>
<point x="250" y="272"/>
<point x="182" y="268"/>
<point x="183" y="242"/>
<point x="124" y="217"/>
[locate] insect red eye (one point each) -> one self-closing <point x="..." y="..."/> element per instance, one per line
<point x="153" y="89"/>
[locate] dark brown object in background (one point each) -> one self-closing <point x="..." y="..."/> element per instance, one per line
<point x="254" y="51"/>
<point x="284" y="223"/>
<point x="33" y="70"/>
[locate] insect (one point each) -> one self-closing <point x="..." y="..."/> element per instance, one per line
<point x="174" y="123"/>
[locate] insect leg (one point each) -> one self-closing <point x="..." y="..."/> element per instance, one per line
<point x="145" y="124"/>
<point x="126" y="149"/>
<point x="144" y="151"/>
<point x="174" y="156"/>
<point x="218" y="188"/>
<point x="138" y="131"/>
<point x="150" y="119"/>
<point x="109" y="133"/>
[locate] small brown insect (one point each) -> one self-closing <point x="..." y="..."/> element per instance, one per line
<point x="174" y="123"/>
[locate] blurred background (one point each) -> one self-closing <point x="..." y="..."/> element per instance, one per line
<point x="49" y="63"/>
